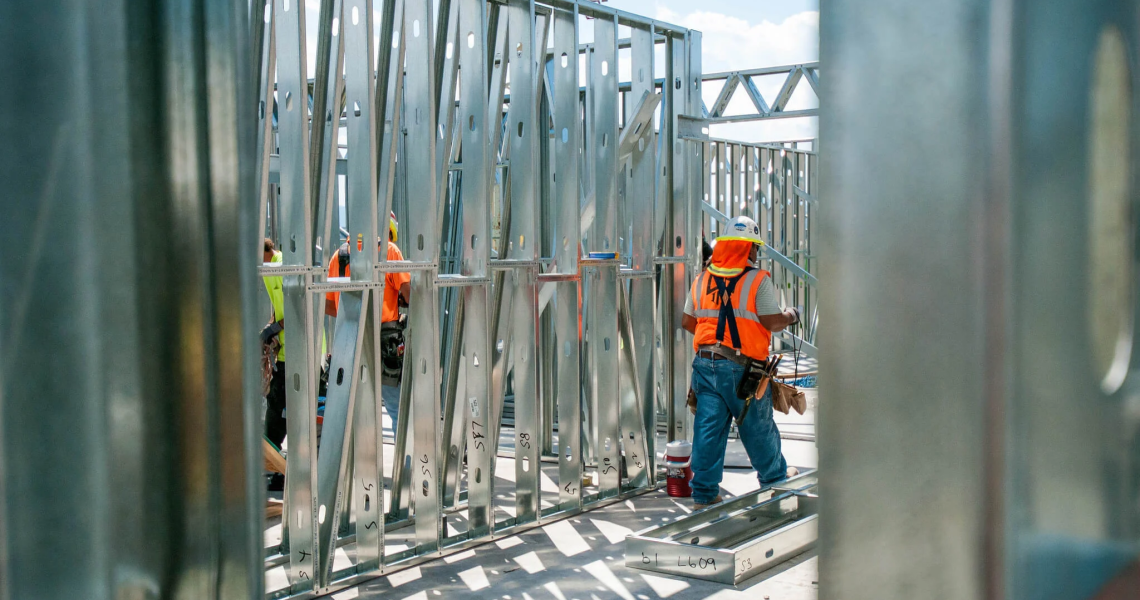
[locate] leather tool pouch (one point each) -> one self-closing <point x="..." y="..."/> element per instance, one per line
<point x="786" y="398"/>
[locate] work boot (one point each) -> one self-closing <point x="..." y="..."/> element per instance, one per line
<point x="700" y="506"/>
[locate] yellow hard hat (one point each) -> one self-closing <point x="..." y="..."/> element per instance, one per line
<point x="393" y="227"/>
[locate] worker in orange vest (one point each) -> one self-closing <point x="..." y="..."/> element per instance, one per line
<point x="397" y="292"/>
<point x="731" y="311"/>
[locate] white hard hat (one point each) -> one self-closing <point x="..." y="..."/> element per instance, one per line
<point x="743" y="229"/>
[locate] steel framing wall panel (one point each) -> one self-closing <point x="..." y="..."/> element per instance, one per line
<point x="447" y="168"/>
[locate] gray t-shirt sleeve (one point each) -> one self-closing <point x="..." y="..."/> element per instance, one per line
<point x="689" y="308"/>
<point x="766" y="298"/>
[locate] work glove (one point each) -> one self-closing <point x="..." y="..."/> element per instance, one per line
<point x="269" y="331"/>
<point x="796" y="314"/>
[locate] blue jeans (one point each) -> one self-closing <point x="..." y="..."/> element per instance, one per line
<point x="391" y="397"/>
<point x="714" y="383"/>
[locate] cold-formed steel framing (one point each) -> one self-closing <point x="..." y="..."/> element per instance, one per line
<point x="551" y="222"/>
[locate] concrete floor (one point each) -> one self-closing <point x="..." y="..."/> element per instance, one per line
<point x="583" y="558"/>
<point x="580" y="559"/>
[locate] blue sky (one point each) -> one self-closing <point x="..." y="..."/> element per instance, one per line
<point x="742" y="34"/>
<point x="737" y="34"/>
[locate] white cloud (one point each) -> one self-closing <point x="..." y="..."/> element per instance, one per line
<point x="731" y="43"/>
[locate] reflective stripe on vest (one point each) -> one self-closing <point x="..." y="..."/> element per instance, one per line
<point x="754" y="338"/>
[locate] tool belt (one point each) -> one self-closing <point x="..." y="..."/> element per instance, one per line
<point x="719" y="352"/>
<point x="392" y="352"/>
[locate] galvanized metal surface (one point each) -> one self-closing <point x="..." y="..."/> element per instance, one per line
<point x="734" y="540"/>
<point x="128" y="401"/>
<point x="1028" y="475"/>
<point x="483" y="139"/>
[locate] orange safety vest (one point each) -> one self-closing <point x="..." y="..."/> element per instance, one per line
<point x="715" y="324"/>
<point x="338" y="267"/>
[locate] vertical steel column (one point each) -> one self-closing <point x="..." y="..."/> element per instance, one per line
<point x="345" y="371"/>
<point x="328" y="85"/>
<point x="423" y="319"/>
<point x="452" y="307"/>
<point x="389" y="97"/>
<point x="296" y="245"/>
<point x="567" y="241"/>
<point x="696" y="181"/>
<point x="603" y="310"/>
<point x="477" y="160"/>
<point x="641" y="192"/>
<point x="523" y="246"/>
<point x="265" y="139"/>
<point x="126" y="215"/>
<point x="752" y="195"/>
<point x="724" y="176"/>
<point x="686" y="167"/>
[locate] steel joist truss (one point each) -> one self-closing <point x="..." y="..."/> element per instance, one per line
<point x="745" y="80"/>
<point x="550" y="231"/>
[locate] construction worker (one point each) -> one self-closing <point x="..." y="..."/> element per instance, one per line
<point x="273" y="335"/>
<point x="396" y="293"/>
<point x="731" y="311"/>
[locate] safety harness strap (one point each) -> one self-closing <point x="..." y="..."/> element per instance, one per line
<point x="725" y="287"/>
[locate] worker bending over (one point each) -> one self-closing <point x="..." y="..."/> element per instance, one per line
<point x="731" y="312"/>
<point x="396" y="293"/>
<point x="273" y="336"/>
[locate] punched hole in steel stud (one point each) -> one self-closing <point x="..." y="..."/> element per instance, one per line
<point x="420" y="241"/>
<point x="478" y="475"/>
<point x="426" y="488"/>
<point x="293" y="243"/>
<point x="340" y="376"/>
<point x="526" y="465"/>
<point x="694" y="541"/>
<point x="367" y="502"/>
<point x="296" y="382"/>
<point x="769" y="553"/>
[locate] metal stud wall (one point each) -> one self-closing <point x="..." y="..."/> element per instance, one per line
<point x="500" y="115"/>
